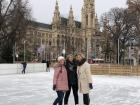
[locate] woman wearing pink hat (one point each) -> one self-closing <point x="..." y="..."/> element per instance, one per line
<point x="60" y="81"/>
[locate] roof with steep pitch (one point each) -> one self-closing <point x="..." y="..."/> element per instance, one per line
<point x="65" y="20"/>
<point x="42" y="25"/>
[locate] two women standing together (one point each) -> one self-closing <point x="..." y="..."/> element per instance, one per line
<point x="72" y="75"/>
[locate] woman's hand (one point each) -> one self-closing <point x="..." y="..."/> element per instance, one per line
<point x="90" y="86"/>
<point x="54" y="87"/>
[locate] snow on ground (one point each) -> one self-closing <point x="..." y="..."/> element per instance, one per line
<point x="36" y="89"/>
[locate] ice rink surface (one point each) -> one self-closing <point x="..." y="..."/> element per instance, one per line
<point x="36" y="89"/>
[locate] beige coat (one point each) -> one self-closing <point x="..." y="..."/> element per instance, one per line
<point x="84" y="78"/>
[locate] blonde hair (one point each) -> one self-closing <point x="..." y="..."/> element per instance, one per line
<point x="68" y="56"/>
<point x="81" y="54"/>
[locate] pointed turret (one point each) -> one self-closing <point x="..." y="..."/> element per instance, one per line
<point x="56" y="17"/>
<point x="71" y="21"/>
<point x="89" y="2"/>
<point x="71" y="12"/>
<point x="88" y="24"/>
<point x="88" y="14"/>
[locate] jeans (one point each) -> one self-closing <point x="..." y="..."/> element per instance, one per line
<point x="75" y="93"/>
<point x="86" y="99"/>
<point x="23" y="71"/>
<point x="59" y="99"/>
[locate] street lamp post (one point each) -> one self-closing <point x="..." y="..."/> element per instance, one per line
<point x="130" y="55"/>
<point x="24" y="52"/>
<point x="122" y="38"/>
<point x="14" y="52"/>
<point x="118" y="51"/>
<point x="17" y="56"/>
<point x="63" y="52"/>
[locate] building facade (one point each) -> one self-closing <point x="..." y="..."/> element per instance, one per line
<point x="64" y="35"/>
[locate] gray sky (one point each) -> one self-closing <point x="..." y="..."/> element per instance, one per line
<point x="42" y="10"/>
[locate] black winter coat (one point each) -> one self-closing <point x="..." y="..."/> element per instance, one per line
<point x="72" y="72"/>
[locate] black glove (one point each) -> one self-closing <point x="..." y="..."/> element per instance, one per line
<point x="54" y="87"/>
<point x="90" y="86"/>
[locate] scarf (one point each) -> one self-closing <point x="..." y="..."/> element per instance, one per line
<point x="81" y="62"/>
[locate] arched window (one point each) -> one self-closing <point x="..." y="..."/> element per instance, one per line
<point x="50" y="43"/>
<point x="86" y="19"/>
<point x="57" y="42"/>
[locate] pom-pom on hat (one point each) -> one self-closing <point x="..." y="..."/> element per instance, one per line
<point x="60" y="58"/>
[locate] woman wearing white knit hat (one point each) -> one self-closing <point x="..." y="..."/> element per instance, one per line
<point x="60" y="80"/>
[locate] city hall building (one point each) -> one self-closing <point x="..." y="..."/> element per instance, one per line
<point x="64" y="35"/>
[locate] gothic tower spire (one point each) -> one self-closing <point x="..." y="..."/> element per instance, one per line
<point x="88" y="14"/>
<point x="56" y="17"/>
<point x="88" y="24"/>
<point x="71" y="12"/>
<point x="71" y="18"/>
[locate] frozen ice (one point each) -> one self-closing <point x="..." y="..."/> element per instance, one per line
<point x="36" y="89"/>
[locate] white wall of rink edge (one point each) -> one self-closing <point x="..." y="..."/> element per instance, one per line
<point x="17" y="68"/>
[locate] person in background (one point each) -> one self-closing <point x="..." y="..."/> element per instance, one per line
<point x="72" y="80"/>
<point x="24" y="67"/>
<point x="48" y="66"/>
<point x="84" y="78"/>
<point x="60" y="81"/>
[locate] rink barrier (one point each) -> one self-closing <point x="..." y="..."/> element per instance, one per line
<point x="17" y="68"/>
<point x="110" y="69"/>
<point x="98" y="69"/>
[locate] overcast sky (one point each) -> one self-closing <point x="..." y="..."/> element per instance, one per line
<point x="42" y="10"/>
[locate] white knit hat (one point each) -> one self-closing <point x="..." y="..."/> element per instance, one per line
<point x="60" y="58"/>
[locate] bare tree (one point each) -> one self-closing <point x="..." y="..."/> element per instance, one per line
<point x="120" y="28"/>
<point x="134" y="10"/>
<point x="134" y="5"/>
<point x="14" y="18"/>
<point x="106" y="43"/>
